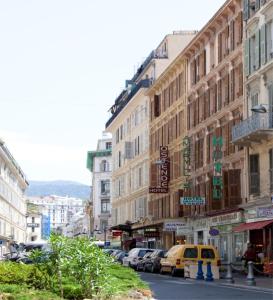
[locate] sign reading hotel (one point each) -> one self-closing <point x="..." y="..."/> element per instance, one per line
<point x="217" y="180"/>
<point x="164" y="172"/>
<point x="192" y="200"/>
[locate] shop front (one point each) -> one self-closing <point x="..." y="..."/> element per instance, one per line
<point x="259" y="231"/>
<point x="217" y="230"/>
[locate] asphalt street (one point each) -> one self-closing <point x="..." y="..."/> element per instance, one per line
<point x="165" y="287"/>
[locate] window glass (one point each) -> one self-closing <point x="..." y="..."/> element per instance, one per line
<point x="207" y="253"/>
<point x="143" y="252"/>
<point x="190" y="253"/>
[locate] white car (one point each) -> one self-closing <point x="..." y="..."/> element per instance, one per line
<point x="134" y="256"/>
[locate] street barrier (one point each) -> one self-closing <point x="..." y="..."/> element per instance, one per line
<point x="200" y="274"/>
<point x="209" y="275"/>
<point x="229" y="277"/>
<point x="250" y="276"/>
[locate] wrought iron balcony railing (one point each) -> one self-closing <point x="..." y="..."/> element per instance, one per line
<point x="253" y="128"/>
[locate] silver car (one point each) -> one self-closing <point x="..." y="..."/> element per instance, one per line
<point x="134" y="256"/>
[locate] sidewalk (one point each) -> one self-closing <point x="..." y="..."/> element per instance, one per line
<point x="262" y="282"/>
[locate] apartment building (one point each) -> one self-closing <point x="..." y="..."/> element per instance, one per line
<point x="58" y="209"/>
<point x="129" y="125"/>
<point x="216" y="188"/>
<point x="254" y="133"/>
<point x="13" y="184"/>
<point x="167" y="131"/>
<point x="99" y="162"/>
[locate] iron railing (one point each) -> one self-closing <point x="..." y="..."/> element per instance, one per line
<point x="258" y="121"/>
<point x="145" y="83"/>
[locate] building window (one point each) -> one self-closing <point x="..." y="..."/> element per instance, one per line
<point x="105" y="205"/>
<point x="119" y="159"/>
<point x="104" y="166"/>
<point x="108" y="145"/>
<point x="105" y="187"/>
<point x="103" y="224"/>
<point x="32" y="220"/>
<point x="32" y="229"/>
<point x="254" y="100"/>
<point x="254" y="174"/>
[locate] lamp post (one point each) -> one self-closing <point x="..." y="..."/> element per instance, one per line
<point x="260" y="108"/>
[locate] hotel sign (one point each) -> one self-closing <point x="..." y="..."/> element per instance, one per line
<point x="217" y="180"/>
<point x="192" y="200"/>
<point x="164" y="172"/>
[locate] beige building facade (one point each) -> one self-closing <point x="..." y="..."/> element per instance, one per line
<point x="129" y="126"/>
<point x="254" y="133"/>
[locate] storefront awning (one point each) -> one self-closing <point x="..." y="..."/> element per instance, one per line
<point x="122" y="227"/>
<point x="252" y="226"/>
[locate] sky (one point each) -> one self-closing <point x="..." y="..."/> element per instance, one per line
<point x="62" y="65"/>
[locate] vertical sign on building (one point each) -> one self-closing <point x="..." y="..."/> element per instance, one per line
<point x="217" y="180"/>
<point x="187" y="160"/>
<point x="164" y="172"/>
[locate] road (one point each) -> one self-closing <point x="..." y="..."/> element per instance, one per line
<point x="165" y="287"/>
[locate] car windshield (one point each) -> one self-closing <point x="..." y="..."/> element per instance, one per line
<point x="143" y="252"/>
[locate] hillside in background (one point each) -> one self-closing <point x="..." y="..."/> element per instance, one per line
<point x="59" y="188"/>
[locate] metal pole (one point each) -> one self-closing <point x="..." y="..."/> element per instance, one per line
<point x="250" y="280"/>
<point x="229" y="277"/>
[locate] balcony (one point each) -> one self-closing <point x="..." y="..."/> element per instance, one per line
<point x="254" y="129"/>
<point x="118" y="107"/>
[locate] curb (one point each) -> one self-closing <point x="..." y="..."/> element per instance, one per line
<point x="257" y="288"/>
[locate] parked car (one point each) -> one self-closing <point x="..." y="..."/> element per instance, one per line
<point x="119" y="257"/>
<point x="108" y="251"/>
<point x="134" y="256"/>
<point x="116" y="252"/>
<point x="141" y="263"/>
<point x="152" y="262"/>
<point x="174" y="260"/>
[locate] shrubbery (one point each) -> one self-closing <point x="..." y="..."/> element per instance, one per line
<point x="73" y="269"/>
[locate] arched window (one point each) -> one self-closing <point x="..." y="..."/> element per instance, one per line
<point x="104" y="166"/>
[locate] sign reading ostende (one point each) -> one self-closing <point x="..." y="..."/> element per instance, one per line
<point x="164" y="172"/>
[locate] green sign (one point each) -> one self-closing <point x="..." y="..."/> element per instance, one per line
<point x="197" y="200"/>
<point x="217" y="155"/>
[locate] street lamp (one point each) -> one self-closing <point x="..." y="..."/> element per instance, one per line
<point x="260" y="108"/>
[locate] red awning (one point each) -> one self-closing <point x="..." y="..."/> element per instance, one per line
<point x="252" y="226"/>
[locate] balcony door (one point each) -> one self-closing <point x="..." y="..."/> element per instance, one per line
<point x="270" y="106"/>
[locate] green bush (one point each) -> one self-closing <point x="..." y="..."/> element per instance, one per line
<point x="11" y="272"/>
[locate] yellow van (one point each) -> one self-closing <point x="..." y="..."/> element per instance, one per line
<point x="175" y="259"/>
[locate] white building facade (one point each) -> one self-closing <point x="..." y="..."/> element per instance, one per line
<point x="59" y="209"/>
<point x="99" y="162"/>
<point x="12" y="200"/>
<point x="129" y="126"/>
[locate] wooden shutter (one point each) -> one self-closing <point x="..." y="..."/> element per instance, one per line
<point x="231" y="35"/>
<point x="247" y="57"/>
<point x="234" y="184"/>
<point x="240" y="23"/>
<point x="219" y="95"/>
<point x="232" y="83"/>
<point x="257" y="50"/>
<point x="246" y="9"/>
<point x="225" y="189"/>
<point x="219" y="47"/>
<point x="240" y="70"/>
<point x="205" y="62"/>
<point x="226" y="82"/>
<point x="156" y="106"/>
<point x="150" y="207"/>
<point x="153" y="175"/>
<point x="263" y="44"/>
